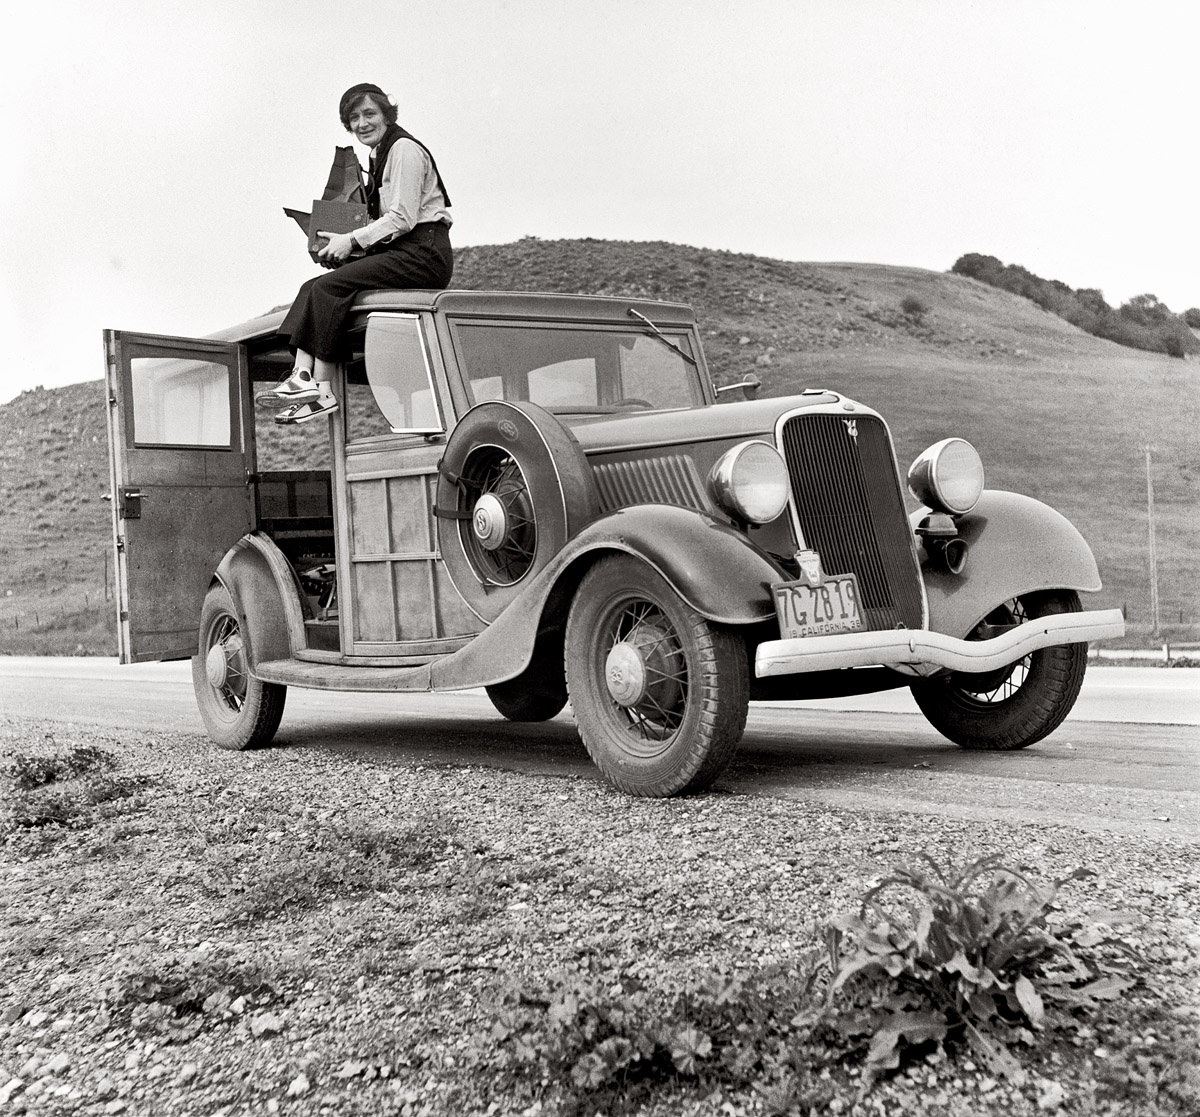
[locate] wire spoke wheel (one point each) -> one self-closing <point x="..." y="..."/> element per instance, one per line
<point x="998" y="686"/>
<point x="1015" y="705"/>
<point x="238" y="710"/>
<point x="513" y="487"/>
<point x="660" y="695"/>
<point x="227" y="644"/>
<point x="641" y="633"/>
<point x="500" y="536"/>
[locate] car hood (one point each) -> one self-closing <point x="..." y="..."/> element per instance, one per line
<point x="743" y="419"/>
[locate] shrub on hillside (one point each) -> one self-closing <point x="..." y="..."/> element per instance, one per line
<point x="1144" y="322"/>
<point x="1192" y="317"/>
<point x="913" y="308"/>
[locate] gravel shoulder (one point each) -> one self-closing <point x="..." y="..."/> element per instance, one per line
<point x="300" y="932"/>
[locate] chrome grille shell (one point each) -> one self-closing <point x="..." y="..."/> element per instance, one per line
<point x="847" y="504"/>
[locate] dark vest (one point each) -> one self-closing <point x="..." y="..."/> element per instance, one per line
<point x="379" y="161"/>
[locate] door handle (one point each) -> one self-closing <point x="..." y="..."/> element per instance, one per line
<point x="131" y="504"/>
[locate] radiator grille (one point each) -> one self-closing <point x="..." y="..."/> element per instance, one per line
<point x="667" y="479"/>
<point x="851" y="511"/>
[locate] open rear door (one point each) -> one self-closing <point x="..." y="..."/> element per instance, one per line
<point x="180" y="436"/>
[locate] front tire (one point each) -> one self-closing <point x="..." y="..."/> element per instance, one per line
<point x="1019" y="704"/>
<point x="238" y="710"/>
<point x="660" y="695"/>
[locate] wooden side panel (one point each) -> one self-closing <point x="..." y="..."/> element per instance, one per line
<point x="403" y="600"/>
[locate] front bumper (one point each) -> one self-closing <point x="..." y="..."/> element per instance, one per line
<point x="919" y="652"/>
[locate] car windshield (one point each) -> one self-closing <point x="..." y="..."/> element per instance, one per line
<point x="577" y="369"/>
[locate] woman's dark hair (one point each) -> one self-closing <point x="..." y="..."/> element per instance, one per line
<point x="356" y="94"/>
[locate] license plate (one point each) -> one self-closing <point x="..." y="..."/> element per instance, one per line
<point x="807" y="610"/>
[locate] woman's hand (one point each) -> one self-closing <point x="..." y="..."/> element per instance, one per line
<point x="337" y="249"/>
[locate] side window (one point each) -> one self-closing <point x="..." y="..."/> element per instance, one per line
<point x="393" y="380"/>
<point x="180" y="402"/>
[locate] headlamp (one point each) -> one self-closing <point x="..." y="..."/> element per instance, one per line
<point x="948" y="477"/>
<point x="751" y="482"/>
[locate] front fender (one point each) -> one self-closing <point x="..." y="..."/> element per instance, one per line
<point x="714" y="569"/>
<point x="266" y="597"/>
<point x="1018" y="545"/>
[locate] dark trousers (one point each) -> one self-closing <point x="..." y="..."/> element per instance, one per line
<point x="421" y="259"/>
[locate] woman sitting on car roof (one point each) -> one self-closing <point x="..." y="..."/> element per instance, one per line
<point x="406" y="244"/>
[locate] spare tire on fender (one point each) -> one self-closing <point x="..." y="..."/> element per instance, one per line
<point x="513" y="487"/>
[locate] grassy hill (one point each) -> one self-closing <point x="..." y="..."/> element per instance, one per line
<point x="1056" y="413"/>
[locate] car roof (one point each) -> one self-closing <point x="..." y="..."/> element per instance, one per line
<point x="489" y="304"/>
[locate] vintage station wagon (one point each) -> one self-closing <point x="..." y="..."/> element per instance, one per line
<point x="541" y="495"/>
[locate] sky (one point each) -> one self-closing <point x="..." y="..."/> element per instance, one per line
<point x="151" y="147"/>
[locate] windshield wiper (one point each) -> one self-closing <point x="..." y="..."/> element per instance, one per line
<point x="663" y="337"/>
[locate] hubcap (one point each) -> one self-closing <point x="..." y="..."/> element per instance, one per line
<point x="490" y="522"/>
<point x="644" y="670"/>
<point x="216" y="667"/>
<point x="625" y="674"/>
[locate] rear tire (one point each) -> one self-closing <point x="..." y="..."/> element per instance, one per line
<point x="660" y="695"/>
<point x="238" y="710"/>
<point x="1017" y="705"/>
<point x="519" y="704"/>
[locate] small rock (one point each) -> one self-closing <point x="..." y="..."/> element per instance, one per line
<point x="29" y="1068"/>
<point x="132" y="1060"/>
<point x="58" y="1064"/>
<point x="11" y="1014"/>
<point x="1051" y="1096"/>
<point x="115" y="1106"/>
<point x="298" y="1086"/>
<point x="10" y="1088"/>
<point x="186" y="1073"/>
<point x="266" y="1024"/>
<point x="351" y="1069"/>
<point x="35" y="1018"/>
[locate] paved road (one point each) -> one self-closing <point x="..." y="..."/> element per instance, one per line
<point x="1127" y="760"/>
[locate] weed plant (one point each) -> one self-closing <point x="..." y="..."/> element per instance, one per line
<point x="72" y="789"/>
<point x="351" y="857"/>
<point x="979" y="955"/>
<point x="176" y="995"/>
<point x="596" y="1040"/>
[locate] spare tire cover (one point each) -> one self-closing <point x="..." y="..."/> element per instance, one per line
<point x="513" y="487"/>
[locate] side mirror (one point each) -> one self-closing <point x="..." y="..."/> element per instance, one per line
<point x="749" y="384"/>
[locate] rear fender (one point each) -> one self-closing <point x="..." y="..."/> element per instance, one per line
<point x="1017" y="545"/>
<point x="713" y="568"/>
<point x="266" y="596"/>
